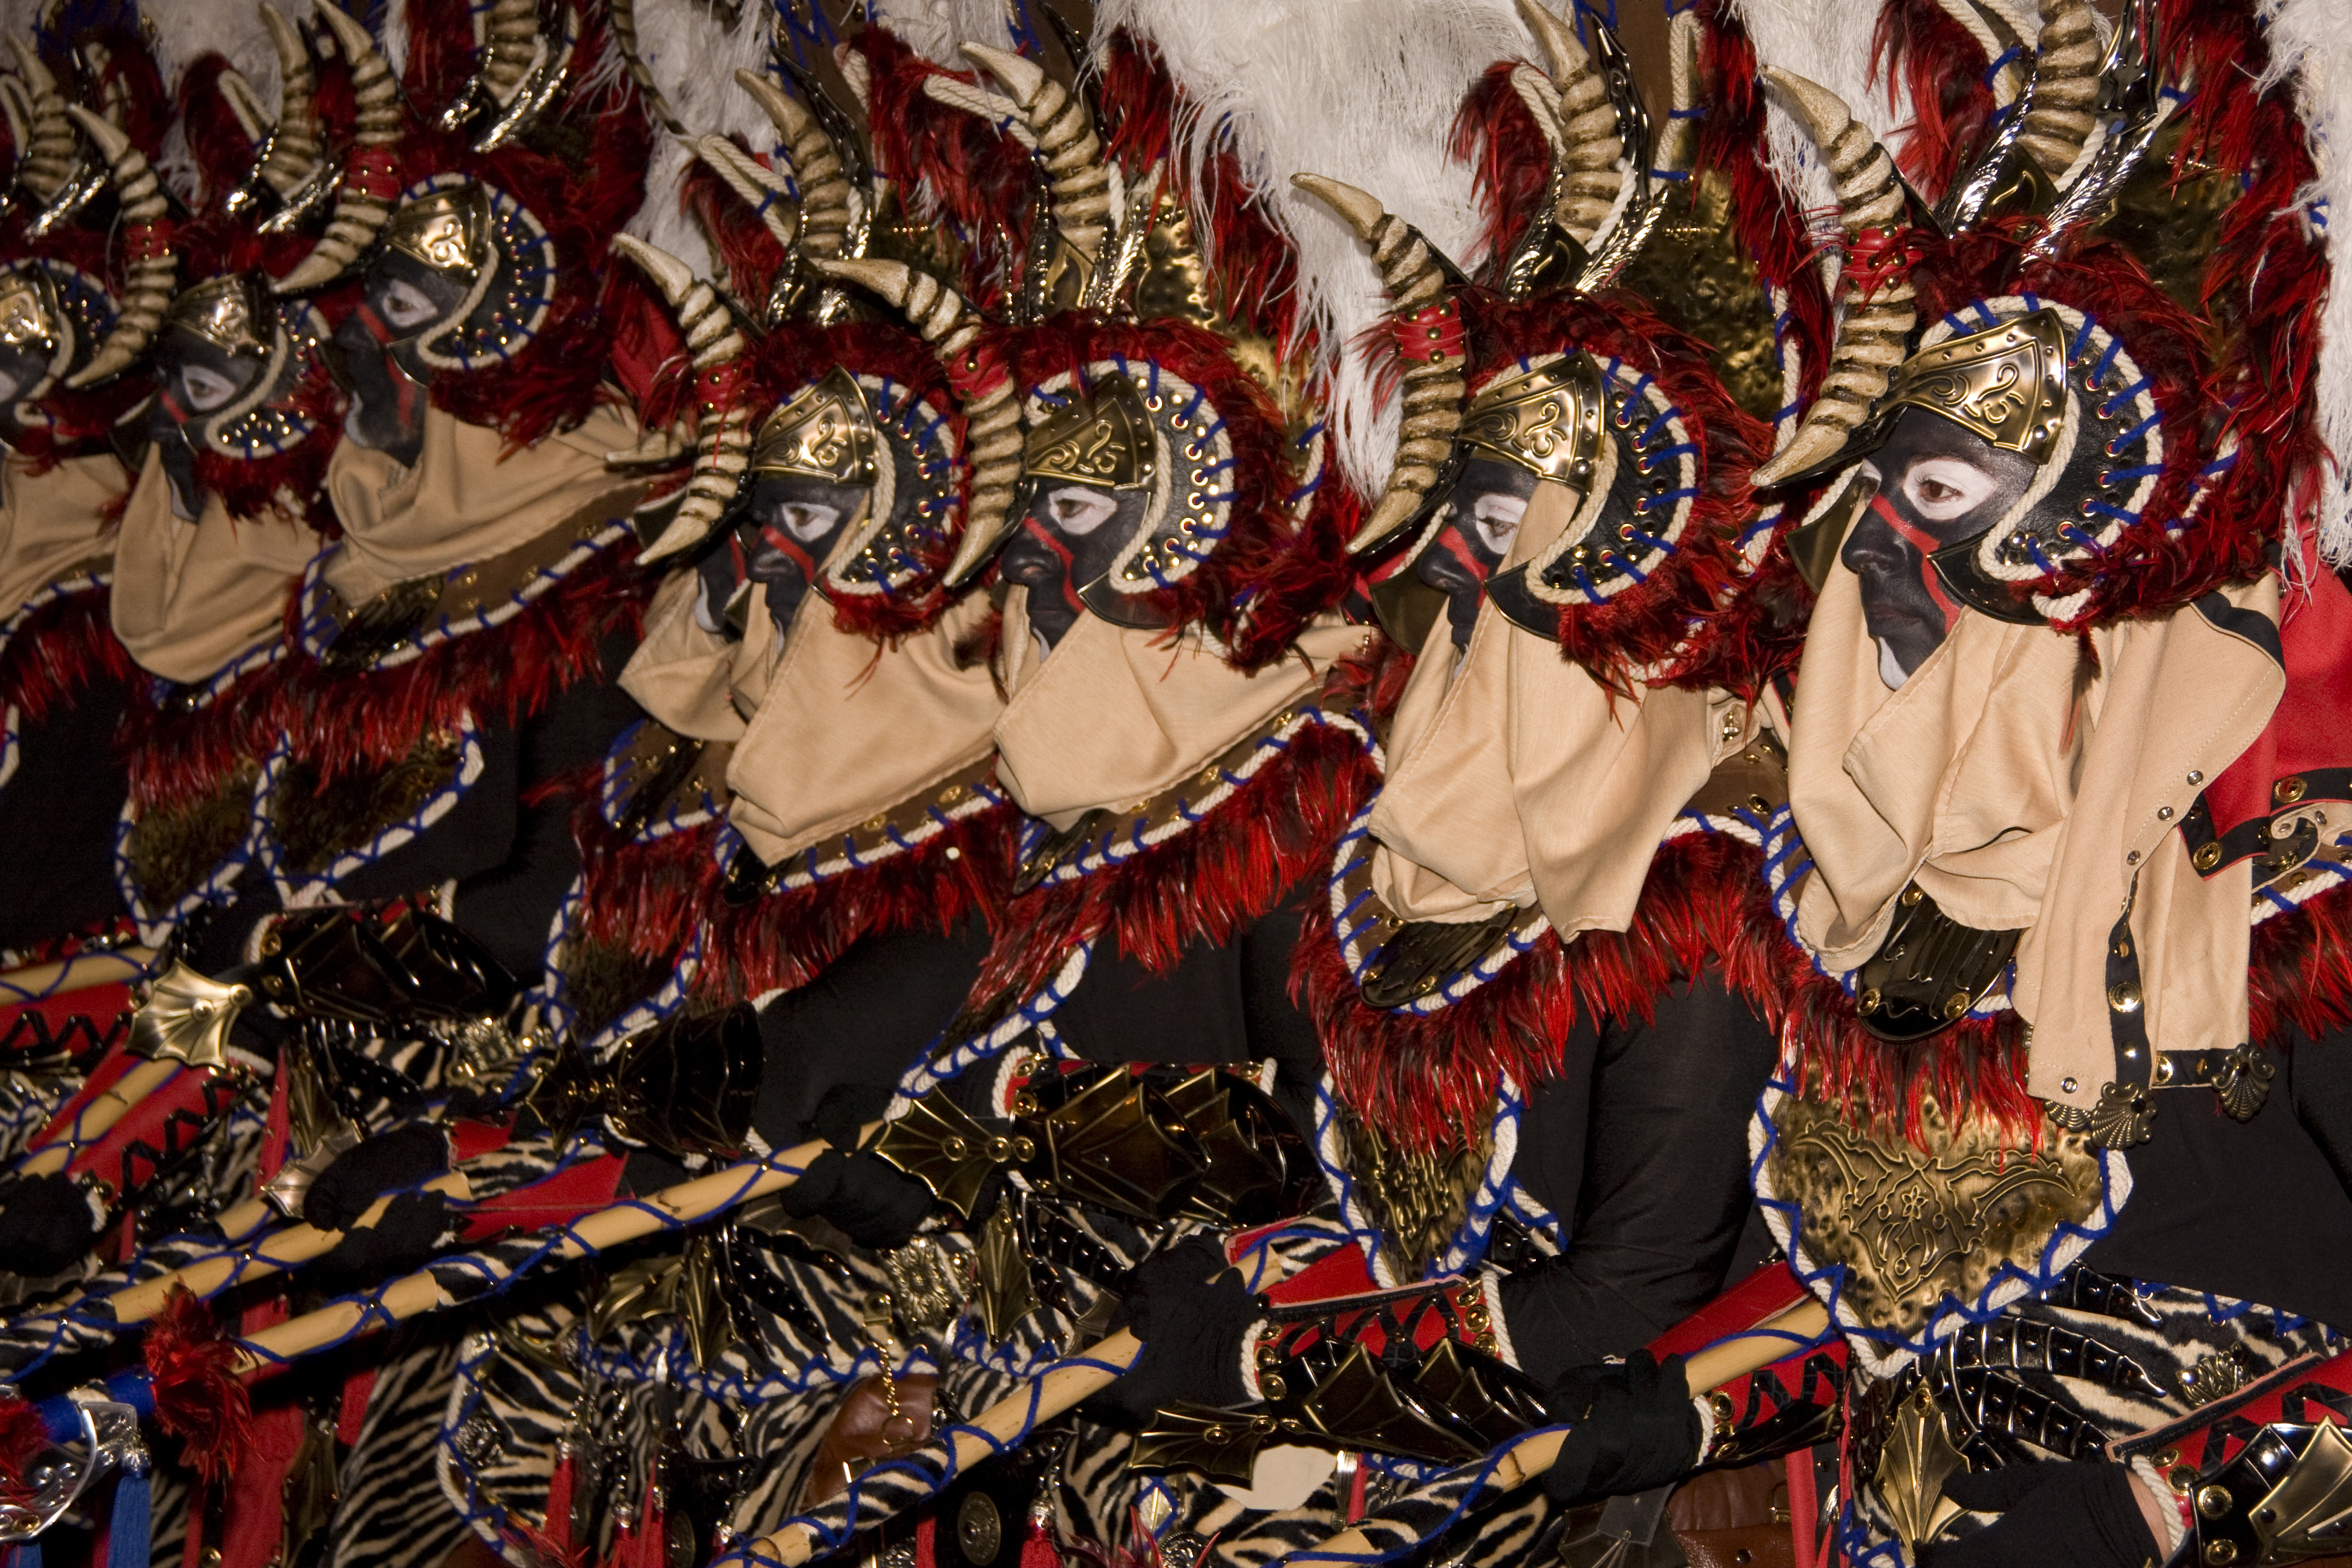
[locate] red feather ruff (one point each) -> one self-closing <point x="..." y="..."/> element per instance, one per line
<point x="957" y="165"/>
<point x="751" y="255"/>
<point x="639" y="896"/>
<point x="785" y="362"/>
<point x="2300" y="975"/>
<point x="198" y="1396"/>
<point x="181" y="756"/>
<point x="1651" y="621"/>
<point x="371" y="719"/>
<point x="1943" y="68"/>
<point x="580" y="171"/>
<point x="786" y="939"/>
<point x="1210" y="881"/>
<point x="1266" y="578"/>
<point x="1431" y="1079"/>
<point x="58" y="650"/>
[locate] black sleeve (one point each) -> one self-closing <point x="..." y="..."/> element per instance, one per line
<point x="1647" y="1162"/>
<point x="58" y="815"/>
<point x="864" y="1020"/>
<point x="1277" y="1027"/>
<point x="2320" y="1080"/>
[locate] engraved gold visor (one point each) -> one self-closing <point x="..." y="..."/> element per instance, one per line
<point x="224" y="312"/>
<point x="1102" y="440"/>
<point x="825" y="432"/>
<point x="30" y="315"/>
<point x="446" y="230"/>
<point x="2006" y="383"/>
<point x="1544" y="418"/>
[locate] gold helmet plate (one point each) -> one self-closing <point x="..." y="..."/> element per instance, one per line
<point x="825" y="432"/>
<point x="1103" y="440"/>
<point x="2006" y="383"/>
<point x="226" y="312"/>
<point x="446" y="230"/>
<point x="30" y="316"/>
<point x="1544" y="418"/>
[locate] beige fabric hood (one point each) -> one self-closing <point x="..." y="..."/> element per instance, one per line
<point x="190" y="598"/>
<point x="53" y="521"/>
<point x="1116" y="715"/>
<point x="468" y="498"/>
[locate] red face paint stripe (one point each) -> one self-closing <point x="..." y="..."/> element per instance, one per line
<point x="1926" y="546"/>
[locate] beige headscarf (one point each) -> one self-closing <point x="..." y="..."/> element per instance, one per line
<point x="1516" y="780"/>
<point x="849" y="728"/>
<point x="1115" y="715"/>
<point x="696" y="682"/>
<point x="190" y="598"/>
<point x="2020" y="786"/>
<point x="53" y="522"/>
<point x="468" y="498"/>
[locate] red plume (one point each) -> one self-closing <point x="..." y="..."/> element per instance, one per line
<point x="198" y="1398"/>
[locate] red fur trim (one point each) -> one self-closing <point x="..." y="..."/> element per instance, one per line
<point x="1651" y="621"/>
<point x="1942" y="67"/>
<point x="23" y="1435"/>
<point x="180" y="756"/>
<point x="2300" y="975"/>
<point x="750" y="253"/>
<point x="198" y="1396"/>
<point x="1207" y="883"/>
<point x="1255" y="273"/>
<point x="1431" y="1079"/>
<point x="788" y="939"/>
<point x="954" y="164"/>
<point x="1263" y="581"/>
<point x="348" y="723"/>
<point x="57" y="650"/>
<point x="639" y="896"/>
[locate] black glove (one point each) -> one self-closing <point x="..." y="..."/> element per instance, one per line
<point x="402" y="1241"/>
<point x="1635" y="1429"/>
<point x="46" y="1224"/>
<point x="1192" y="1310"/>
<point x="2060" y="1512"/>
<point x="877" y="1205"/>
<point x="394" y="1162"/>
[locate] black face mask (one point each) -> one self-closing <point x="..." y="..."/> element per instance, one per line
<point x="403" y="301"/>
<point x="788" y="531"/>
<point x="1482" y="518"/>
<point x="1069" y="536"/>
<point x="21" y="369"/>
<point x="1938" y="485"/>
<point x="196" y="379"/>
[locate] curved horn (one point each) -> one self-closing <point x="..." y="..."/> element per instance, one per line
<point x="244" y="103"/>
<point x="947" y="322"/>
<point x="1587" y="151"/>
<point x="293" y="156"/>
<point x="370" y="184"/>
<point x="1872" y="337"/>
<point x="817" y="164"/>
<point x="723" y="437"/>
<point x="1433" y="388"/>
<point x="511" y="46"/>
<point x="2060" y="100"/>
<point x="762" y="188"/>
<point x="49" y="159"/>
<point x="1077" y="173"/>
<point x="153" y="267"/>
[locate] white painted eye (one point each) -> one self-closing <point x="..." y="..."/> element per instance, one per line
<point x="9" y="386"/>
<point x="1941" y="488"/>
<point x="808" y="520"/>
<point x="207" y="389"/>
<point x="407" y="305"/>
<point x="1077" y="510"/>
<point x="1496" y="516"/>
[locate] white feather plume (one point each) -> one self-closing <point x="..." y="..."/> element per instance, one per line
<point x="2311" y="43"/>
<point x="692" y="58"/>
<point x="938" y="29"/>
<point x="1359" y="91"/>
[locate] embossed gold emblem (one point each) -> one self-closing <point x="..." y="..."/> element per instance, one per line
<point x="444" y="229"/>
<point x="1102" y="440"/>
<point x="223" y="311"/>
<point x="825" y="432"/>
<point x="1419" y="1198"/>
<point x="2006" y="383"/>
<point x="1914" y="1225"/>
<point x="28" y="314"/>
<point x="1544" y="417"/>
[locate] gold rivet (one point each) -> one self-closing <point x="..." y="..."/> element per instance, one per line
<point x="2289" y="790"/>
<point x="2068" y="1085"/>
<point x="2208" y="856"/>
<point x="2124" y="997"/>
<point x="1912" y="895"/>
<point x="1956" y="1004"/>
<point x="2212" y="1501"/>
<point x="1867" y="1003"/>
